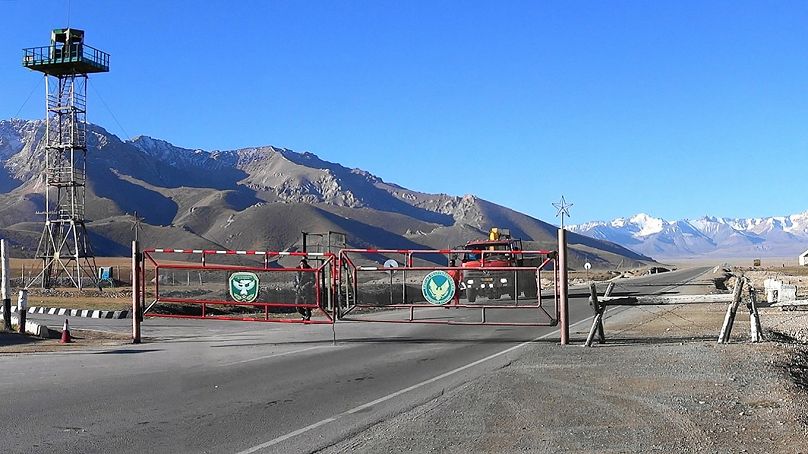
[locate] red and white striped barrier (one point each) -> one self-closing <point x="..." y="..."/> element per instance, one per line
<point x="229" y="252"/>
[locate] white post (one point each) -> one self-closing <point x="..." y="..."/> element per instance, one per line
<point x="22" y="309"/>
<point x="755" y="330"/>
<point x="5" y="284"/>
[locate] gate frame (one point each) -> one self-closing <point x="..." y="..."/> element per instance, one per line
<point x="329" y="263"/>
<point x="334" y="286"/>
<point x="550" y="257"/>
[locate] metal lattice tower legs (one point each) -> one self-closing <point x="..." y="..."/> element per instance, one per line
<point x="65" y="247"/>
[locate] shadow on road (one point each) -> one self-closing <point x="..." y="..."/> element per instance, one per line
<point x="402" y="340"/>
<point x="623" y="341"/>
<point x="17" y="339"/>
<point x="126" y="352"/>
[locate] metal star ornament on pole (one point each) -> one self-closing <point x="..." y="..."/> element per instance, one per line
<point x="563" y="210"/>
<point x="136" y="225"/>
<point x="563" y="278"/>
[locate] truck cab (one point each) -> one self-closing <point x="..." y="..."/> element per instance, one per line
<point x="498" y="251"/>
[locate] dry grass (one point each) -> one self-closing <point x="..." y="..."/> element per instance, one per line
<point x="81" y="302"/>
<point x="29" y="268"/>
<point x="118" y="298"/>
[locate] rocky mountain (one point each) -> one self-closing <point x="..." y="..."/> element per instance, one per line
<point x="251" y="198"/>
<point x="779" y="236"/>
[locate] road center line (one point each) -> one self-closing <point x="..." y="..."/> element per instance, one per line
<point x="274" y="355"/>
<point x="303" y="430"/>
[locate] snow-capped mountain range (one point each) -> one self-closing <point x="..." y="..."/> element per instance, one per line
<point x="777" y="236"/>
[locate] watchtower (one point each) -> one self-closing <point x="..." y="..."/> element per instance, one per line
<point x="64" y="246"/>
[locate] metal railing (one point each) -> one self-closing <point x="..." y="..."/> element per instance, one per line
<point x="73" y="53"/>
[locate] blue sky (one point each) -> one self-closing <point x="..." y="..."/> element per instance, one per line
<point x="677" y="109"/>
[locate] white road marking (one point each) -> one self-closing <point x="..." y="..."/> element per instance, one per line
<point x="274" y="355"/>
<point x="303" y="430"/>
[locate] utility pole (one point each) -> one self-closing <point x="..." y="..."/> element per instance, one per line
<point x="563" y="210"/>
<point x="136" y="225"/>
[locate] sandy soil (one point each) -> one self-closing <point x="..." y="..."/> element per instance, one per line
<point x="778" y="262"/>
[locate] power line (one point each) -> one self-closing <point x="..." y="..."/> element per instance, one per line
<point x="16" y="115"/>
<point x="126" y="134"/>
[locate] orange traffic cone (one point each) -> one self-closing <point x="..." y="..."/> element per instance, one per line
<point x="65" y="334"/>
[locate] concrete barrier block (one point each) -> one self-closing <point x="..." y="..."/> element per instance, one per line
<point x="32" y="328"/>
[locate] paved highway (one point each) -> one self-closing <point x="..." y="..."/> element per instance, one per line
<point x="234" y="387"/>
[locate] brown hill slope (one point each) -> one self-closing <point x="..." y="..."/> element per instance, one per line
<point x="253" y="198"/>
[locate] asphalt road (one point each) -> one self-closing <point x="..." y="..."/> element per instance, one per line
<point x="235" y="387"/>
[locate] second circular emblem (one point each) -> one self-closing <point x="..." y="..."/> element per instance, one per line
<point x="438" y="287"/>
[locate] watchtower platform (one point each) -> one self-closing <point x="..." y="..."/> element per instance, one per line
<point x="67" y="54"/>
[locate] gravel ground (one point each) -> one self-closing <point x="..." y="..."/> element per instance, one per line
<point x="791" y="275"/>
<point x="660" y="383"/>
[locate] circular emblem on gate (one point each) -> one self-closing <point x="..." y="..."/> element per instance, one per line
<point x="243" y="287"/>
<point x="438" y="287"/>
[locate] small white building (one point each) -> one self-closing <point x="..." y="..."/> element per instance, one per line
<point x="804" y="259"/>
<point x="778" y="291"/>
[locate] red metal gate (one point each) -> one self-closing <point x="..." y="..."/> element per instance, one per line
<point x="373" y="288"/>
<point x="238" y="285"/>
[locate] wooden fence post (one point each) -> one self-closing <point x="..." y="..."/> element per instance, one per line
<point x="593" y="301"/>
<point x="755" y="330"/>
<point x="598" y="308"/>
<point x="732" y="309"/>
<point x="606" y="294"/>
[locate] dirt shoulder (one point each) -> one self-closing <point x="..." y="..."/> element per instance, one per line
<point x="660" y="382"/>
<point x="13" y="343"/>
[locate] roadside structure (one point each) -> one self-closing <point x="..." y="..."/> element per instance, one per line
<point x="804" y="259"/>
<point x="64" y="247"/>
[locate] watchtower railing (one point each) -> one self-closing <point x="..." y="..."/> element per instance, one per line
<point x="75" y="52"/>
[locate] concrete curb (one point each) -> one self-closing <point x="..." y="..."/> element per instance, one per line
<point x="32" y="328"/>
<point x="88" y="313"/>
